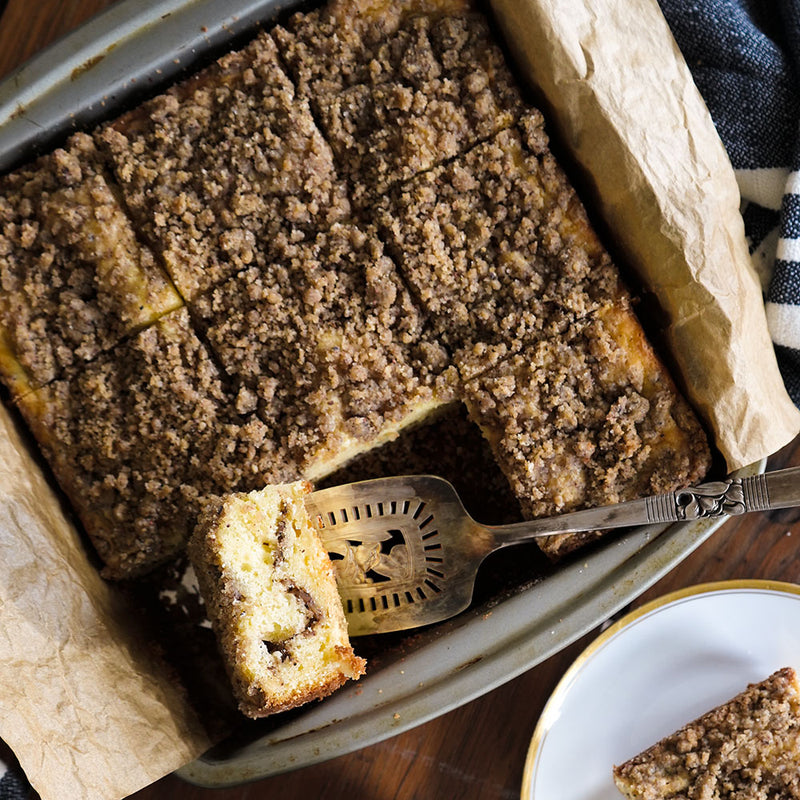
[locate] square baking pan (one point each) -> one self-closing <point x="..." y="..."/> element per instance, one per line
<point x="108" y="65"/>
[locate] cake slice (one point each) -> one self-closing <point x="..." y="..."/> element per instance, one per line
<point x="75" y="280"/>
<point x="139" y="437"/>
<point x="219" y="166"/>
<point x="587" y="419"/>
<point x="338" y="45"/>
<point x="271" y="595"/>
<point x="747" y="748"/>
<point x="498" y="249"/>
<point x="327" y="346"/>
<point x="398" y="89"/>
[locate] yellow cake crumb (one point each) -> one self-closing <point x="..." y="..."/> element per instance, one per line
<point x="271" y="595"/>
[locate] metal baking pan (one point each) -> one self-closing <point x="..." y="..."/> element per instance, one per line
<point x="106" y="66"/>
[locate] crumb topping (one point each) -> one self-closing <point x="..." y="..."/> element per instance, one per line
<point x="395" y="104"/>
<point x="140" y="437"/>
<point x="497" y="248"/>
<point x="74" y="278"/>
<point x="747" y="748"/>
<point x="219" y="166"/>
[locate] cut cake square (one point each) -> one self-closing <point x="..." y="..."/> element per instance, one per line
<point x="747" y="748"/>
<point x="219" y="166"/>
<point x="74" y="280"/>
<point x="327" y="346"/>
<point x="587" y="419"/>
<point x="338" y="45"/>
<point x="498" y="249"/>
<point x="140" y="436"/>
<point x="271" y="595"/>
<point x="400" y="91"/>
<point x="312" y="346"/>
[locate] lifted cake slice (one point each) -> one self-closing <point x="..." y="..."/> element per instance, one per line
<point x="271" y="595"/>
<point x="748" y="747"/>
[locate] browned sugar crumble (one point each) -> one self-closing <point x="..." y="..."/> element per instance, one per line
<point x="497" y="248"/>
<point x="745" y="749"/>
<point x="139" y="436"/>
<point x="74" y="279"/>
<point x="587" y="419"/>
<point x="218" y="167"/>
<point x="399" y="93"/>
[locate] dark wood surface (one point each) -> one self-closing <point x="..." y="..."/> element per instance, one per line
<point x="477" y="751"/>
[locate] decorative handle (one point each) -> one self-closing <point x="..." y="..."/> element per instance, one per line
<point x="715" y="499"/>
<point x="779" y="489"/>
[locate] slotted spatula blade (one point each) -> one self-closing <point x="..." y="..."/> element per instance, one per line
<point x="393" y="545"/>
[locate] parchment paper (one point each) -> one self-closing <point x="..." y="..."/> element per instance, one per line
<point x="625" y="104"/>
<point x="87" y="708"/>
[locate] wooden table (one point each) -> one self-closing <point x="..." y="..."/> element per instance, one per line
<point x="477" y="751"/>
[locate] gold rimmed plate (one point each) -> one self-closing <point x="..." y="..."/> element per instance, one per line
<point x="656" y="669"/>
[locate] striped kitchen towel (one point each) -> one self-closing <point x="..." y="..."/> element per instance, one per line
<point x="745" y="59"/>
<point x="13" y="785"/>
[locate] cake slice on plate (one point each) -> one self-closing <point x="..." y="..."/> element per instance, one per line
<point x="748" y="748"/>
<point x="271" y="595"/>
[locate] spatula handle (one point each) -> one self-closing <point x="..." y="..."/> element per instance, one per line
<point x="779" y="489"/>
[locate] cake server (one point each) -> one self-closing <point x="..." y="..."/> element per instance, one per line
<point x="406" y="552"/>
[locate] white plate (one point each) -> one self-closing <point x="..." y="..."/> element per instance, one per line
<point x="660" y="667"/>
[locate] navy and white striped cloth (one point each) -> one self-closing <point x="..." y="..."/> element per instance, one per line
<point x="745" y="59"/>
<point x="13" y="785"/>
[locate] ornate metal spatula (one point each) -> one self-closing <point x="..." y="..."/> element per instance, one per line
<point x="406" y="552"/>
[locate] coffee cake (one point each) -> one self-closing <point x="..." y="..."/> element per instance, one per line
<point x="270" y="592"/>
<point x="397" y="91"/>
<point x="498" y="249"/>
<point x="421" y="248"/>
<point x="74" y="278"/>
<point x="139" y="436"/>
<point x="587" y="419"/>
<point x="747" y="748"/>
<point x="219" y="166"/>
